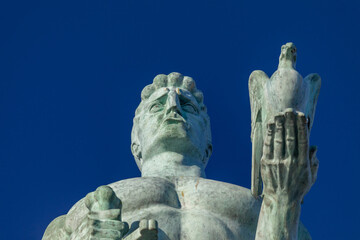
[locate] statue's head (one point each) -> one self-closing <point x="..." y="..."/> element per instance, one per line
<point x="288" y="52"/>
<point x="171" y="118"/>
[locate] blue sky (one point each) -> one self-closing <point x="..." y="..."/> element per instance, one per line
<point x="71" y="73"/>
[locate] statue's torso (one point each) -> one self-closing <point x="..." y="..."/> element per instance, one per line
<point x="186" y="208"/>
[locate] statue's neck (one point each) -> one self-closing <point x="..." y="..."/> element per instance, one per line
<point x="168" y="164"/>
<point x="286" y="63"/>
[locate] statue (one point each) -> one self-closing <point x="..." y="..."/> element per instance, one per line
<point x="286" y="89"/>
<point x="171" y="143"/>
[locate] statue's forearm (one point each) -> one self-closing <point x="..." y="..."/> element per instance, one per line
<point x="278" y="220"/>
<point x="288" y="170"/>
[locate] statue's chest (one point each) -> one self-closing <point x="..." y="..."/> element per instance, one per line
<point x="183" y="194"/>
<point x="140" y="193"/>
<point x="189" y="208"/>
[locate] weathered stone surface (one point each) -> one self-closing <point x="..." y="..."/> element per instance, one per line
<point x="171" y="143"/>
<point x="269" y="96"/>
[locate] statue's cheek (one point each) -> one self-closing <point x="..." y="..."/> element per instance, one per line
<point x="152" y="120"/>
<point x="199" y="130"/>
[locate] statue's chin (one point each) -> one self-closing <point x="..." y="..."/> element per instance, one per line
<point x="177" y="137"/>
<point x="179" y="142"/>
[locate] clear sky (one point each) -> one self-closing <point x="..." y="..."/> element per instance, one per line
<point x="71" y="73"/>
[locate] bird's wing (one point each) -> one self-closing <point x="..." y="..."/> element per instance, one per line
<point x="314" y="82"/>
<point x="257" y="81"/>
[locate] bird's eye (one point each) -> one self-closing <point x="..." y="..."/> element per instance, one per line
<point x="156" y="107"/>
<point x="187" y="107"/>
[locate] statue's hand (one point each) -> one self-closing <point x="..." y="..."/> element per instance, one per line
<point x="288" y="166"/>
<point x="104" y="218"/>
<point x="148" y="229"/>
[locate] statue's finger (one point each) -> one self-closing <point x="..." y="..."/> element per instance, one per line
<point x="290" y="132"/>
<point x="153" y="225"/>
<point x="106" y="199"/>
<point x="105" y="233"/>
<point x="100" y="238"/>
<point x="269" y="141"/>
<point x="279" y="137"/>
<point x="303" y="142"/>
<point x="143" y="225"/>
<point x="268" y="175"/>
<point x="107" y="224"/>
<point x="112" y="214"/>
<point x="89" y="200"/>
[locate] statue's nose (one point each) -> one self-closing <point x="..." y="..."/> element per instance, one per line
<point x="173" y="104"/>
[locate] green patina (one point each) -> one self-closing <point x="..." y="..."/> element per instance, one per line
<point x="171" y="143"/>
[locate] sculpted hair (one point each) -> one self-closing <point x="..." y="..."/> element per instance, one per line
<point x="172" y="80"/>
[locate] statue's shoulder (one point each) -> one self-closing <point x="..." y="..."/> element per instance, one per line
<point x="230" y="200"/>
<point x="137" y="185"/>
<point x="134" y="194"/>
<point x="229" y="186"/>
<point x="228" y="190"/>
<point x="56" y="229"/>
<point x="221" y="198"/>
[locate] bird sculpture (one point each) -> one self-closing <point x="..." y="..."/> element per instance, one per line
<point x="269" y="96"/>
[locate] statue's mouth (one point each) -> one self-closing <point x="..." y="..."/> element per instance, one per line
<point x="172" y="120"/>
<point x="175" y="120"/>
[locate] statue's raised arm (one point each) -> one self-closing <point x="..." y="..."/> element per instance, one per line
<point x="282" y="113"/>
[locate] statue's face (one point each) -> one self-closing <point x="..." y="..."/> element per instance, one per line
<point x="171" y="120"/>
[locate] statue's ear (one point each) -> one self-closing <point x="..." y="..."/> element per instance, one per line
<point x="136" y="151"/>
<point x="208" y="152"/>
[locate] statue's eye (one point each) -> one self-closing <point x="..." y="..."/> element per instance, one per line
<point x="188" y="107"/>
<point x="156" y="107"/>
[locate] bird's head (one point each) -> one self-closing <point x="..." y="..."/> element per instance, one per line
<point x="288" y="55"/>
